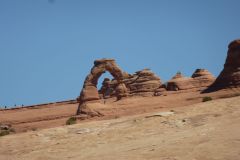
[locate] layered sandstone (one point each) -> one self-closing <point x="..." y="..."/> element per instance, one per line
<point x="200" y="79"/>
<point x="142" y="83"/>
<point x="179" y="82"/>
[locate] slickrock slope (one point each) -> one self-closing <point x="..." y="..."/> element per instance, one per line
<point x="56" y="114"/>
<point x="203" y="131"/>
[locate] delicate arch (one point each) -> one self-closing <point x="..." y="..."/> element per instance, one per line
<point x="90" y="91"/>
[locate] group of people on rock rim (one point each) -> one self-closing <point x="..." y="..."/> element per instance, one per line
<point x="6" y="107"/>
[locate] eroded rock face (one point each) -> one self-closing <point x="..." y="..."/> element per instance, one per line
<point x="89" y="91"/>
<point x="230" y="75"/>
<point x="202" y="73"/>
<point x="179" y="82"/>
<point x="201" y="78"/>
<point x="142" y="83"/>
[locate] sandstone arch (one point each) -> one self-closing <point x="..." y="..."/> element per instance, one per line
<point x="90" y="91"/>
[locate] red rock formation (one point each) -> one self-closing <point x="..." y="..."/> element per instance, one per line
<point x="178" y="75"/>
<point x="230" y="75"/>
<point x="179" y="82"/>
<point x="90" y="92"/>
<point x="200" y="79"/>
<point x="106" y="90"/>
<point x="142" y="83"/>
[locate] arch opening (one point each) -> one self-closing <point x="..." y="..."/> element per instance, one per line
<point x="105" y="76"/>
<point x="105" y="86"/>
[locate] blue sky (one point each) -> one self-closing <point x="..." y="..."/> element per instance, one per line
<point x="48" y="47"/>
